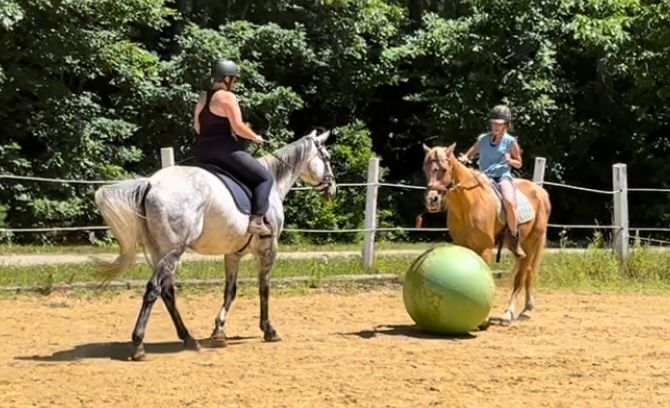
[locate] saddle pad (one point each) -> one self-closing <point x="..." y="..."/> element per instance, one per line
<point x="524" y="210"/>
<point x="240" y="192"/>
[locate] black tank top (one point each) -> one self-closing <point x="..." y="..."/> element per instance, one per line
<point x="216" y="134"/>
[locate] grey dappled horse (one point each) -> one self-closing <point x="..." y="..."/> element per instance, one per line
<point x="184" y="207"/>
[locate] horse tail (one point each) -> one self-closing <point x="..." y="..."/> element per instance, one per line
<point x="122" y="207"/>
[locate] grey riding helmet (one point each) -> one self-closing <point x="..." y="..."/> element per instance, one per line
<point x="501" y="114"/>
<point x="223" y="68"/>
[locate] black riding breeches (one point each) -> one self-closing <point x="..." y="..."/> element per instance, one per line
<point x="249" y="171"/>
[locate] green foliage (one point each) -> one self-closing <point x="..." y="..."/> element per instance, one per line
<point x="92" y="89"/>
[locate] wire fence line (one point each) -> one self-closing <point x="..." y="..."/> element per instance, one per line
<point x="392" y="185"/>
<point x="342" y="185"/>
<point x="345" y="230"/>
<point x="591" y="190"/>
<point x="652" y="240"/>
<point x="103" y="182"/>
<point x="56" y="180"/>
<point x="650" y="190"/>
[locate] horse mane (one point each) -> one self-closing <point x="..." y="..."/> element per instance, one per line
<point x="282" y="161"/>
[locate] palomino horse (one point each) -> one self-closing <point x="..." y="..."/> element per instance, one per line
<point x="184" y="207"/>
<point x="473" y="223"/>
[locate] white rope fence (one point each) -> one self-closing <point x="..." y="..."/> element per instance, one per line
<point x="55" y="180"/>
<point x="591" y="190"/>
<point x="619" y="193"/>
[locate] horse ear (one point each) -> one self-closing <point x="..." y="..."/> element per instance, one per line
<point x="426" y="149"/>
<point x="312" y="133"/>
<point x="451" y="148"/>
<point x="324" y="136"/>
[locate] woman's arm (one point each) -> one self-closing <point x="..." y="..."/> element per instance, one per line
<point x="471" y="153"/>
<point x="514" y="156"/>
<point x="196" y="113"/>
<point x="228" y="104"/>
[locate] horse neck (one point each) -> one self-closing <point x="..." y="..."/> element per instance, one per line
<point x="461" y="174"/>
<point x="287" y="164"/>
<point x="468" y="197"/>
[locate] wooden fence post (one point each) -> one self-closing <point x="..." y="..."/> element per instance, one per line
<point x="371" y="212"/>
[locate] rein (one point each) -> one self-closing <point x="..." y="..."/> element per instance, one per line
<point x="457" y="186"/>
<point x="327" y="177"/>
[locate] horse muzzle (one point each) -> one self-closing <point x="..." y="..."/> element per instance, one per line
<point x="433" y="201"/>
<point x="327" y="189"/>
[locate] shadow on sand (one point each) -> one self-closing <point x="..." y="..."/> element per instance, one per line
<point x="408" y="331"/>
<point x="122" y="351"/>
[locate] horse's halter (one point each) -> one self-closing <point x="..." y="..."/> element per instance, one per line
<point x="328" y="176"/>
<point x="323" y="154"/>
<point x="451" y="186"/>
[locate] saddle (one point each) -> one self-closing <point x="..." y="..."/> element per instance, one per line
<point x="240" y="192"/>
<point x="524" y="209"/>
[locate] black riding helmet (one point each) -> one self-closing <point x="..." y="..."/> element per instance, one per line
<point x="501" y="113"/>
<point x="223" y="68"/>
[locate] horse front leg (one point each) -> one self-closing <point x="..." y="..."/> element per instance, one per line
<point x="232" y="264"/>
<point x="266" y="260"/>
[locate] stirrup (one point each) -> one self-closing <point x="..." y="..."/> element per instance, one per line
<point x="257" y="225"/>
<point x="515" y="245"/>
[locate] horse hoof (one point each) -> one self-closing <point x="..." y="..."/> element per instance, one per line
<point x="500" y="321"/>
<point x="524" y="316"/>
<point x="192" y="344"/>
<point x="139" y="354"/>
<point x="484" y="325"/>
<point x="218" y="341"/>
<point x="271" y="337"/>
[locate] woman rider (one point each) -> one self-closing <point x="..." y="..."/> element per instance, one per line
<point x="218" y="122"/>
<point x="498" y="153"/>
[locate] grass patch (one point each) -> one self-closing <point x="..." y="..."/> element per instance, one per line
<point x="317" y="269"/>
<point x="597" y="268"/>
<point x="594" y="269"/>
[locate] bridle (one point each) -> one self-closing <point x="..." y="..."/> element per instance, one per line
<point x="451" y="186"/>
<point x="328" y="176"/>
<point x="323" y="154"/>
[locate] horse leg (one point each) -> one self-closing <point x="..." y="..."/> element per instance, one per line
<point x="510" y="312"/>
<point x="168" y="294"/>
<point x="487" y="255"/>
<point x="232" y="262"/>
<point x="164" y="270"/>
<point x="533" y="268"/>
<point x="266" y="260"/>
<point x="151" y="293"/>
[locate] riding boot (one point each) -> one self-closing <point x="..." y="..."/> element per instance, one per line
<point x="515" y="245"/>
<point x="258" y="226"/>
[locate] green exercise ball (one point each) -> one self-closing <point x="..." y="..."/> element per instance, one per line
<point x="449" y="290"/>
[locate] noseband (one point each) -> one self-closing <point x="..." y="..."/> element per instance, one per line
<point x="451" y="186"/>
<point x="328" y="177"/>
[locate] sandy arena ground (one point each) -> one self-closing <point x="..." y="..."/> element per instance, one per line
<point x="348" y="349"/>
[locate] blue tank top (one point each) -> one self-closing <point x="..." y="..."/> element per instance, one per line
<point x="492" y="157"/>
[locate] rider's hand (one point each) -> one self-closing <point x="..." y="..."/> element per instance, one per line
<point x="258" y="140"/>
<point x="508" y="157"/>
<point x="463" y="158"/>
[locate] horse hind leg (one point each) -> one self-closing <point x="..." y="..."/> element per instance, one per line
<point x="533" y="270"/>
<point x="232" y="265"/>
<point x="161" y="284"/>
<point x="519" y="270"/>
<point x="168" y="294"/>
